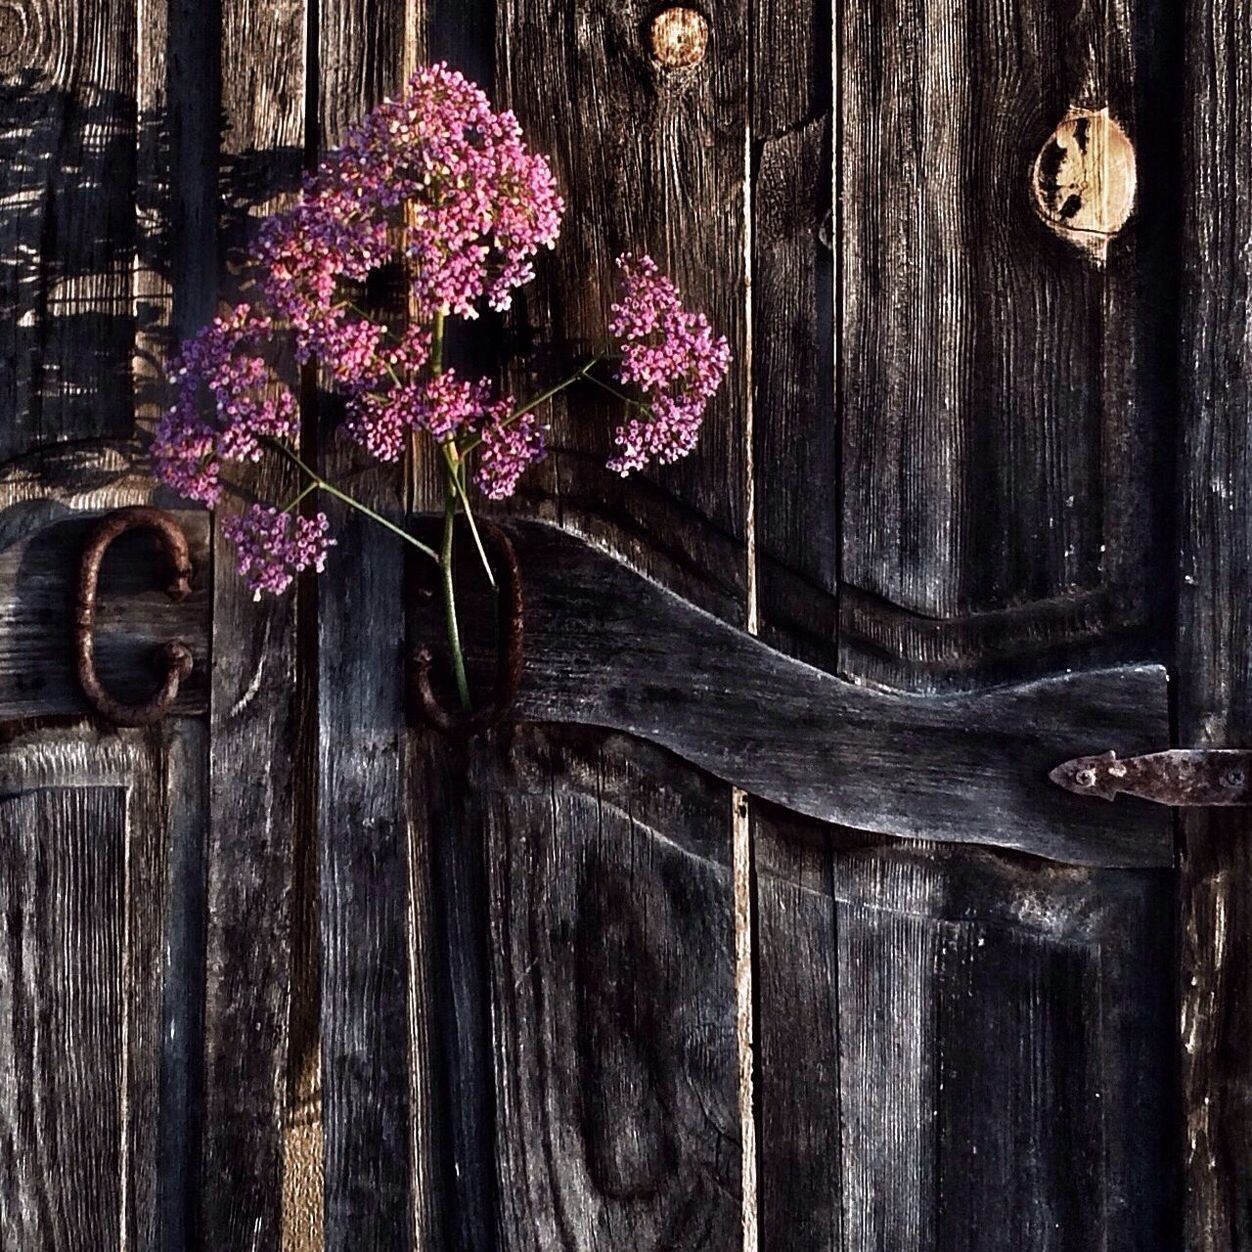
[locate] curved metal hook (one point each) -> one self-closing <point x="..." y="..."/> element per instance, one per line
<point x="175" y="655"/>
<point x="508" y="656"/>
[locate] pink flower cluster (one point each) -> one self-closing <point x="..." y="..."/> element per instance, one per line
<point x="436" y="178"/>
<point x="670" y="355"/>
<point x="228" y="401"/>
<point x="441" y="188"/>
<point x="275" y="546"/>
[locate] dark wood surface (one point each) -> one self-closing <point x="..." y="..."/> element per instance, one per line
<point x="607" y="647"/>
<point x="1213" y="574"/>
<point x="612" y="994"/>
<point x="363" y="50"/>
<point x="326" y="980"/>
<point x="251" y="791"/>
<point x="997" y="385"/>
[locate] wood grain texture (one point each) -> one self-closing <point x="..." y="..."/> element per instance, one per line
<point x="63" y="1148"/>
<point x="41" y="543"/>
<point x="650" y="159"/>
<point x="612" y="974"/>
<point x="248" y="862"/>
<point x="796" y="452"/>
<point x="1214" y="626"/>
<point x="978" y="1025"/>
<point x="998" y="386"/>
<point x="607" y="647"/>
<point x="68" y="145"/>
<point x="364" y="49"/>
<point x="84" y="838"/>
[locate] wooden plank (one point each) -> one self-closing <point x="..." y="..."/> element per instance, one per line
<point x="248" y="862"/>
<point x="64" y="1156"/>
<point x="649" y="158"/>
<point x="67" y="224"/>
<point x="796" y="453"/>
<point x="1214" y="630"/>
<point x="607" y="647"/>
<point x="364" y="50"/>
<point x="82" y="885"/>
<point x="1000" y="387"/>
<point x="613" y="1002"/>
<point x="993" y="1026"/>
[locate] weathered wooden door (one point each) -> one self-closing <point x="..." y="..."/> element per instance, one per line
<point x="762" y="924"/>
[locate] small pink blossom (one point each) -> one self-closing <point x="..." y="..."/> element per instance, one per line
<point x="228" y="402"/>
<point x="273" y="547"/>
<point x="508" y="449"/>
<point x="671" y="356"/>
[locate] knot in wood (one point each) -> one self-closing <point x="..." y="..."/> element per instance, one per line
<point x="14" y="24"/>
<point x="679" y="37"/>
<point x="1084" y="180"/>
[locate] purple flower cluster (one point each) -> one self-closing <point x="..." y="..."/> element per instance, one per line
<point x="509" y="447"/>
<point x="435" y="178"/>
<point x="671" y="356"/>
<point x="228" y="401"/>
<point x="442" y="189"/>
<point x="275" y="546"/>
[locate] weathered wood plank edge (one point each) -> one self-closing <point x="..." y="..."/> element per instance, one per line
<point x="605" y="646"/>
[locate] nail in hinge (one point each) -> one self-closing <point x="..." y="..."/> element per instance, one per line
<point x="1184" y="777"/>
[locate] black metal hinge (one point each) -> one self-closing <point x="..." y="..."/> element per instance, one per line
<point x="1184" y="777"/>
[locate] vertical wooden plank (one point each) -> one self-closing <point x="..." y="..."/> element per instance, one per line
<point x="364" y="50"/>
<point x="1214" y="622"/>
<point x="260" y="48"/>
<point x="800" y="1141"/>
<point x="65" y="1144"/>
<point x="613" y="999"/>
<point x="67" y="223"/>
<point x="997" y="382"/>
<point x="650" y="149"/>
<point x="796" y="456"/>
<point x="650" y="158"/>
<point x="1014" y="1111"/>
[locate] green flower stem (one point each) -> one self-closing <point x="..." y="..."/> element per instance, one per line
<point x="331" y="489"/>
<point x="621" y="395"/>
<point x="436" y="343"/>
<point x="456" y="480"/>
<point x="307" y="489"/>
<point x="449" y="601"/>
<point x="543" y="396"/>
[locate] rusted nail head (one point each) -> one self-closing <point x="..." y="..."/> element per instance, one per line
<point x="679" y="37"/>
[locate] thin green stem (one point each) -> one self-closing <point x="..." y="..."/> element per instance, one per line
<point x="449" y="603"/>
<point x="310" y="487"/>
<point x="456" y="481"/>
<point x="629" y="401"/>
<point x="541" y="398"/>
<point x="351" y="502"/>
<point x="436" y="343"/>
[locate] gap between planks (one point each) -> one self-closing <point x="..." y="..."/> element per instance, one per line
<point x="741" y="815"/>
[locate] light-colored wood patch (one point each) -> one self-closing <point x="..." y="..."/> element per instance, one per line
<point x="1084" y="180"/>
<point x="679" y="37"/>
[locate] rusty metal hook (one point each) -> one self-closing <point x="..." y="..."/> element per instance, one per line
<point x="175" y="655"/>
<point x="508" y="655"/>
